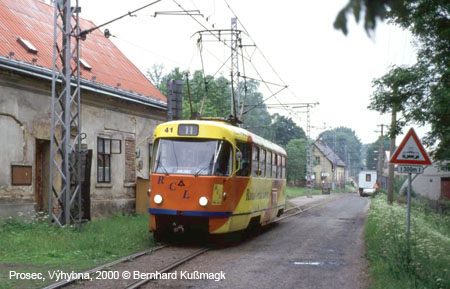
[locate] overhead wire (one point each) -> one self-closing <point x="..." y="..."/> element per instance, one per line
<point x="204" y="77"/>
<point x="220" y="40"/>
<point x="265" y="58"/>
<point x="257" y="47"/>
<point x="223" y="41"/>
<point x="245" y="85"/>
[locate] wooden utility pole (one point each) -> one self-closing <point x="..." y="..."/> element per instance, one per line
<point x="391" y="149"/>
<point x="380" y="156"/>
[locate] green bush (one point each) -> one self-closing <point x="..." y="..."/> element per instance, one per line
<point x="398" y="261"/>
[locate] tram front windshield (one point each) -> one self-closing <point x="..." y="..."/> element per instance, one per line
<point x="200" y="157"/>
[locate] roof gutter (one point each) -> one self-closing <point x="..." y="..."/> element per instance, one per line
<point x="45" y="73"/>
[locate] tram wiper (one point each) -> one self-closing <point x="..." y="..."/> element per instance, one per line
<point x="205" y="167"/>
<point x="162" y="166"/>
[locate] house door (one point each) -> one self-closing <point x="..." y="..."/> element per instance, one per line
<point x="86" y="161"/>
<point x="42" y="176"/>
<point x="445" y="188"/>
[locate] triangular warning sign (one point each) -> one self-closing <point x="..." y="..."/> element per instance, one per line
<point x="410" y="151"/>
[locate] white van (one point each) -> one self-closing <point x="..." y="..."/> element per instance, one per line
<point x="367" y="182"/>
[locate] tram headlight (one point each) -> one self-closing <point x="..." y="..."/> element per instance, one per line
<point x="203" y="201"/>
<point x="158" y="199"/>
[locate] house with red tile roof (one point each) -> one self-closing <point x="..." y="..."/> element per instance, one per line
<point x="119" y="110"/>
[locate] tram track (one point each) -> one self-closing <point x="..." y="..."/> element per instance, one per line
<point x="64" y="283"/>
<point x="169" y="267"/>
<point x="300" y="210"/>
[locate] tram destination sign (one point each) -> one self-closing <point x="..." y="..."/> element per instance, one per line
<point x="410" y="169"/>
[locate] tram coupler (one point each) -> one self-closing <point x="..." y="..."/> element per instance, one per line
<point x="178" y="229"/>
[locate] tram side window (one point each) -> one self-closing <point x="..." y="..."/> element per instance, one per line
<point x="246" y="150"/>
<point x="283" y="164"/>
<point x="274" y="165"/>
<point x="269" y="164"/>
<point x="262" y="162"/>
<point x="279" y="167"/>
<point x="255" y="161"/>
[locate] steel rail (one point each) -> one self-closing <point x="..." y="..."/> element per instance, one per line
<point x="300" y="210"/>
<point x="171" y="266"/>
<point x="168" y="268"/>
<point x="63" y="283"/>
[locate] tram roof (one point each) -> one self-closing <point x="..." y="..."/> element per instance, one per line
<point x="235" y="130"/>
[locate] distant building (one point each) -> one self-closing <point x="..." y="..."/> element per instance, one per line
<point x="327" y="166"/>
<point x="433" y="183"/>
<point x="119" y="110"/>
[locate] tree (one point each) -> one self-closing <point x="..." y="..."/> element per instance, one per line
<point x="214" y="95"/>
<point x="395" y="91"/>
<point x="296" y="160"/>
<point x="257" y="119"/>
<point x="372" y="10"/>
<point x="346" y="144"/>
<point x="284" y="129"/>
<point x="421" y="92"/>
<point x="155" y="74"/>
<point x="216" y="90"/>
<point x="372" y="153"/>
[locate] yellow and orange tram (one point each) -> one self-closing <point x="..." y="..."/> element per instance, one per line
<point x="215" y="177"/>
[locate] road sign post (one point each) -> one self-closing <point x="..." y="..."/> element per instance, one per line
<point x="411" y="156"/>
<point x="408" y="205"/>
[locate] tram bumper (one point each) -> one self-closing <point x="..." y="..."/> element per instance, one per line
<point x="173" y="221"/>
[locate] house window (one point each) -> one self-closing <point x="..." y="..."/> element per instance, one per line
<point x="368" y="177"/>
<point x="103" y="160"/>
<point x="318" y="160"/>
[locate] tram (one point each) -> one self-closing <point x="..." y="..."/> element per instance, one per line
<point x="214" y="177"/>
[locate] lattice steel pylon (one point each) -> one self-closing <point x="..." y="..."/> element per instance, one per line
<point x="64" y="194"/>
<point x="308" y="151"/>
<point x="235" y="45"/>
<point x="309" y="166"/>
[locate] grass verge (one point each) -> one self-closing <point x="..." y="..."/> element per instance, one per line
<point x="396" y="261"/>
<point x="36" y="246"/>
<point x="293" y="192"/>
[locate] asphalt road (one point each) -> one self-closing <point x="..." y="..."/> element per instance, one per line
<point x="321" y="248"/>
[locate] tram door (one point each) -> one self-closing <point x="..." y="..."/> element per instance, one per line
<point x="86" y="160"/>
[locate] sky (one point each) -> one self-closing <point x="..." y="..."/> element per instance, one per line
<point x="297" y="46"/>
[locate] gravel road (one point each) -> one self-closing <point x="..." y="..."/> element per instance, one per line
<point x="322" y="248"/>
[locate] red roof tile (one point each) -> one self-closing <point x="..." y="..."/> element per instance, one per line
<point x="33" y="20"/>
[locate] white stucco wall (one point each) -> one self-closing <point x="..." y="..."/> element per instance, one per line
<point x="25" y="117"/>
<point x="428" y="184"/>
